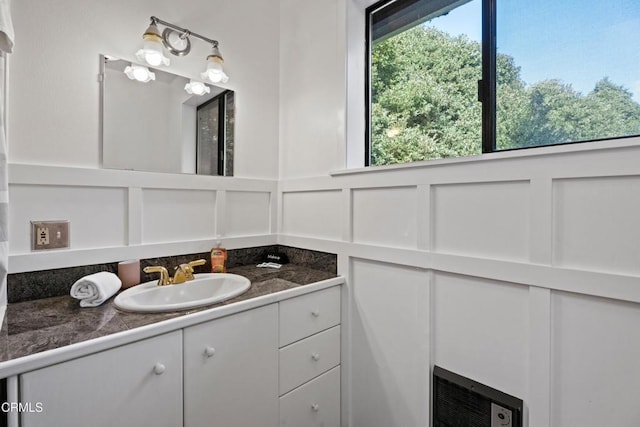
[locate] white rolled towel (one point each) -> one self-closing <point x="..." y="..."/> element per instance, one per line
<point x="94" y="289"/>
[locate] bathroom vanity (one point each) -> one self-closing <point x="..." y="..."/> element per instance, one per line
<point x="269" y="357"/>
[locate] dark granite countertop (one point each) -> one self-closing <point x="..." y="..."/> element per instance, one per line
<point x="32" y="327"/>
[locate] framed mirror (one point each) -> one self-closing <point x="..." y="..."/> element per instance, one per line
<point x="153" y="123"/>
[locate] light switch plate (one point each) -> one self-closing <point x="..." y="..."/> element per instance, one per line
<point x="49" y="235"/>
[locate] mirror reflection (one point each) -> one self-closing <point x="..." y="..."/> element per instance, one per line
<point x="153" y="120"/>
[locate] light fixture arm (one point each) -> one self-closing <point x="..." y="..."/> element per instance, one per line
<point x="185" y="32"/>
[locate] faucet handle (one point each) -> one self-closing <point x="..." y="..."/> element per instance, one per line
<point x="164" y="274"/>
<point x="184" y="272"/>
<point x="197" y="263"/>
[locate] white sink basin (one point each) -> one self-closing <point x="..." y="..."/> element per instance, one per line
<point x="205" y="289"/>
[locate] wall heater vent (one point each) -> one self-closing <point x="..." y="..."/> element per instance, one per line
<point x="462" y="402"/>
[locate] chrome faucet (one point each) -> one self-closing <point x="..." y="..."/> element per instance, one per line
<point x="183" y="272"/>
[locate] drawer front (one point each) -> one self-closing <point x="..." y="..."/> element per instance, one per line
<point x="308" y="314"/>
<point x="306" y="359"/>
<point x="315" y="404"/>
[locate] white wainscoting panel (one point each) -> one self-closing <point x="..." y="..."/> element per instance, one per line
<point x="488" y="220"/>
<point x="481" y="330"/>
<point x="385" y="216"/>
<point x="595" y="362"/>
<point x="177" y="215"/>
<point x="597" y="224"/>
<point x="247" y="213"/>
<point x="313" y="214"/>
<point x="390" y="345"/>
<point x="98" y="215"/>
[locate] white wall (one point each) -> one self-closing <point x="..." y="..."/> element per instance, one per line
<point x="520" y="270"/>
<point x="54" y="127"/>
<point x="312" y="120"/>
<point x="54" y="91"/>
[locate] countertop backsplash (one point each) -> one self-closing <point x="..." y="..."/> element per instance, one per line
<point x="35" y="285"/>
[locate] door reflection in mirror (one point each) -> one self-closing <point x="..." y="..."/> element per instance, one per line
<point x="215" y="135"/>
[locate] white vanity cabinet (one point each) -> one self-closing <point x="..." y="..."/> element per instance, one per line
<point x="309" y="383"/>
<point x="231" y="370"/>
<point x="273" y="365"/>
<point x="138" y="384"/>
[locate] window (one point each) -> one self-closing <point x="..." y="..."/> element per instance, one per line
<point x="450" y="78"/>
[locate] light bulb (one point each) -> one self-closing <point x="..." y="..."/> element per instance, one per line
<point x="214" y="72"/>
<point x="195" y="87"/>
<point x="152" y="51"/>
<point x="139" y="73"/>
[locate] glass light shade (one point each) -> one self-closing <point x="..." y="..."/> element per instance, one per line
<point x="195" y="87"/>
<point x="214" y="72"/>
<point x="152" y="51"/>
<point x="139" y="73"/>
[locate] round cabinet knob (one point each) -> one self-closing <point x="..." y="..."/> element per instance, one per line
<point x="315" y="313"/>
<point x="159" y="369"/>
<point x="315" y="356"/>
<point x="209" y="351"/>
<point x="315" y="407"/>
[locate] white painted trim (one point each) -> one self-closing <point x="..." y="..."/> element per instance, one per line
<point x="28" y="174"/>
<point x="134" y="223"/>
<point x="431" y="327"/>
<point x="347" y="215"/>
<point x="280" y="210"/>
<point x="20" y="263"/>
<point x="221" y="213"/>
<point x="538" y="403"/>
<point x="610" y="144"/>
<point x="344" y="270"/>
<point x="424" y="226"/>
<point x="541" y="221"/>
<point x="273" y="212"/>
<point x="13" y="395"/>
<point x="135" y="183"/>
<point x="618" y="286"/>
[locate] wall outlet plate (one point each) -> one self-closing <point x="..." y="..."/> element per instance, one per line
<point x="49" y="235"/>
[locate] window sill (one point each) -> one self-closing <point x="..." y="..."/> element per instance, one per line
<point x="612" y="144"/>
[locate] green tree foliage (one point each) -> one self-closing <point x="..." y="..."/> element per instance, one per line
<point x="424" y="102"/>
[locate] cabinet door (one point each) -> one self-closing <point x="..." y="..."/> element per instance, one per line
<point x="138" y="384"/>
<point x="231" y="370"/>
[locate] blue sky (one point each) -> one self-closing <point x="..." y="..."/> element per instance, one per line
<point x="576" y="41"/>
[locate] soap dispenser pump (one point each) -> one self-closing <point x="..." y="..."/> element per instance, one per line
<point x="218" y="259"/>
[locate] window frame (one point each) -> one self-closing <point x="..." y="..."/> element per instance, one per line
<point x="487" y="86"/>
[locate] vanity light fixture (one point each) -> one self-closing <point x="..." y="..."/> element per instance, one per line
<point x="177" y="41"/>
<point x="214" y="72"/>
<point x="152" y="51"/>
<point x="139" y="73"/>
<point x="195" y="87"/>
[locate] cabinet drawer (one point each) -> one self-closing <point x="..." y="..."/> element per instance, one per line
<point x="306" y="359"/>
<point x="308" y="314"/>
<point x="315" y="404"/>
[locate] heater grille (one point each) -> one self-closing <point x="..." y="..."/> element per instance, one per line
<point x="461" y="402"/>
